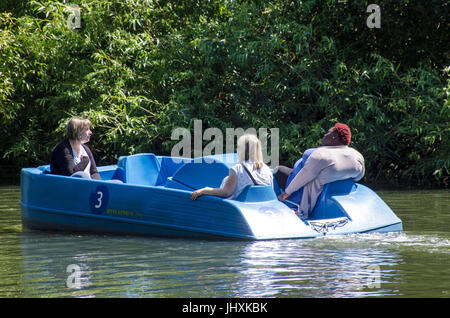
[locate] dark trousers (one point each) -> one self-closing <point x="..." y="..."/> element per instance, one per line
<point x="281" y="176"/>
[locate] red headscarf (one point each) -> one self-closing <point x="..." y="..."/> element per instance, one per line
<point x="344" y="133"/>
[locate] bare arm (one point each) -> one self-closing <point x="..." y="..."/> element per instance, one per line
<point x="226" y="191"/>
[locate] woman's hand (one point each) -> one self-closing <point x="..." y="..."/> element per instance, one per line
<point x="283" y="196"/>
<point x="196" y="194"/>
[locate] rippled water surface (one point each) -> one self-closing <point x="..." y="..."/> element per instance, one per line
<point x="415" y="263"/>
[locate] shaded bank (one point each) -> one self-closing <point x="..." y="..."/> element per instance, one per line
<point x="140" y="69"/>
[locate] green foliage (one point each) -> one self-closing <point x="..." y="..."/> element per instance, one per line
<point x="140" y="68"/>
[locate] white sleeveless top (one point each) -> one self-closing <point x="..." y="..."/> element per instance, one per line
<point x="261" y="176"/>
<point x="77" y="158"/>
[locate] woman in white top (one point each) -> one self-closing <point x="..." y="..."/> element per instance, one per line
<point x="249" y="155"/>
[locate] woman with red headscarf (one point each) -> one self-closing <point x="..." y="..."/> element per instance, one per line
<point x="334" y="160"/>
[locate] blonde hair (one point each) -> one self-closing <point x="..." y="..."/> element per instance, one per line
<point x="76" y="126"/>
<point x="249" y="148"/>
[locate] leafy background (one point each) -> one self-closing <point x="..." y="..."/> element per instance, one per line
<point x="139" y="69"/>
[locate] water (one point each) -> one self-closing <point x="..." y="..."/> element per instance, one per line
<point x="414" y="263"/>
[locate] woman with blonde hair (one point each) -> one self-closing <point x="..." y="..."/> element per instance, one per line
<point x="251" y="170"/>
<point x="71" y="157"/>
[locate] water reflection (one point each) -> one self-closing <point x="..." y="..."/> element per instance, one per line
<point x="121" y="266"/>
<point x="344" y="266"/>
<point x="324" y="267"/>
<point x="414" y="263"/>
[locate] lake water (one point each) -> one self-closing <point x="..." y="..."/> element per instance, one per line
<point x="414" y="263"/>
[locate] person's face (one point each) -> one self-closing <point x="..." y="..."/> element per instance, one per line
<point x="86" y="135"/>
<point x="331" y="138"/>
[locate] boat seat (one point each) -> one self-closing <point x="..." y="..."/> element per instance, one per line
<point x="142" y="169"/>
<point x="196" y="175"/>
<point x="257" y="194"/>
<point x="326" y="207"/>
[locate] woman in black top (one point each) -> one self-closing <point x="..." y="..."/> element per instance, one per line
<point x="72" y="156"/>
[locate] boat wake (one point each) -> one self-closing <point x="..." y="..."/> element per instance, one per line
<point x="431" y="243"/>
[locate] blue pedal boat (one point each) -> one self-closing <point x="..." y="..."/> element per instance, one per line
<point x="154" y="200"/>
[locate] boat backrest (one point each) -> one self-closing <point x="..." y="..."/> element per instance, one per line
<point x="326" y="207"/>
<point x="169" y="166"/>
<point x="142" y="169"/>
<point x="196" y="175"/>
